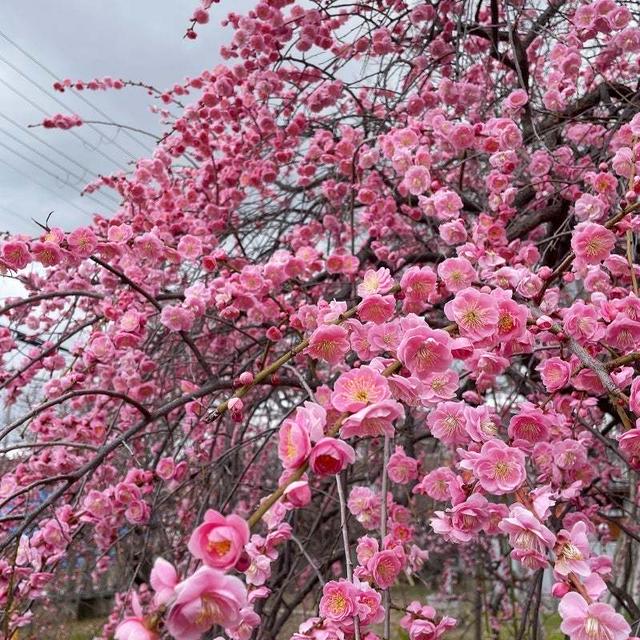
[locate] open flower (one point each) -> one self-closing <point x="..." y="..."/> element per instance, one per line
<point x="498" y="467"/>
<point x="329" y="342"/>
<point x="447" y="423"/>
<point x="219" y="540"/>
<point x="457" y="273"/>
<point x="572" y="551"/>
<point x="529" y="538"/>
<point x="339" y="601"/>
<point x="555" y="373"/>
<point x="597" y="621"/>
<point x="385" y="567"/>
<point x="592" y="243"/>
<point x="475" y="313"/>
<point x="357" y="388"/>
<point x="425" y="351"/>
<point x="374" y="420"/>
<point x="206" y="598"/>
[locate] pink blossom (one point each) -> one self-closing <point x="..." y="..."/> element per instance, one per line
<point x="190" y="247"/>
<point x="134" y="628"/>
<point x="572" y="551"/>
<point x="339" y="601"/>
<point x="313" y="417"/>
<point x="462" y="522"/>
<point x="447" y="204"/>
<point x="516" y="99"/>
<point x="176" y="318"/>
<point x="527" y="534"/>
<point x="580" y="321"/>
<point x="597" y="621"/>
<point x="374" y="420"/>
<point x="569" y="454"/>
<point x="364" y="504"/>
<point x="447" y="423"/>
<point x="205" y="599"/>
<point x="330" y="456"/>
<point x="623" y="333"/>
<point x="385" y="567"/>
<point x="512" y="317"/>
<point x="48" y="254"/>
<point x="402" y="469"/>
<point x="165" y="468"/>
<point x="555" y="373"/>
<point x="457" y="273"/>
<point x="499" y="468"/>
<point x="530" y="425"/>
<point x="453" y="232"/>
<point x="249" y="620"/>
<point x="375" y="282"/>
<point x="16" y="254"/>
<point x="294" y="444"/>
<point x="376" y="308"/>
<point x="425" y="351"/>
<point x="219" y="540"/>
<point x="417" y="180"/>
<point x="440" y="386"/>
<point x="357" y="388"/>
<point x="589" y="207"/>
<point x="298" y="493"/>
<point x="634" y="396"/>
<point x="82" y="242"/>
<point x="330" y="343"/>
<point x="475" y="313"/>
<point x="482" y="424"/>
<point x="435" y="484"/>
<point x="592" y="243"/>
<point x="163" y="581"/>
<point x="629" y="443"/>
<point x="366" y="548"/>
<point x="418" y="283"/>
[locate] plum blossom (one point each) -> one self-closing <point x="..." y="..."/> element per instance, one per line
<point x="330" y="343"/>
<point x="425" y="351"/>
<point x="592" y="243"/>
<point x="219" y="540"/>
<point x="475" y="313"/>
<point x="374" y="420"/>
<point x="357" y="388"/>
<point x="204" y="599"/>
<point x="329" y="456"/>
<point x="402" y="469"/>
<point x="294" y="444"/>
<point x="499" y="468"/>
<point x="596" y="621"/>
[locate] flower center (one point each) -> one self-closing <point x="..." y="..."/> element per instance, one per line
<point x="502" y="470"/>
<point x="209" y="613"/>
<point x="219" y="547"/>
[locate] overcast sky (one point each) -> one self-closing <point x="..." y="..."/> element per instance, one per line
<point x="139" y="40"/>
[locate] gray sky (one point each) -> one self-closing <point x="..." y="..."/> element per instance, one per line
<point x="139" y="40"/>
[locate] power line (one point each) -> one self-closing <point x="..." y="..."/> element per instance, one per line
<point x="86" y="143"/>
<point x="45" y="170"/>
<point x="76" y="93"/>
<point x="44" y="186"/>
<point x="50" y="146"/>
<point x="61" y="103"/>
<point x="17" y="215"/>
<point x="80" y="179"/>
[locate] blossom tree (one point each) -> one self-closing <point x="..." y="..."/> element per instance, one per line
<point x="368" y="316"/>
